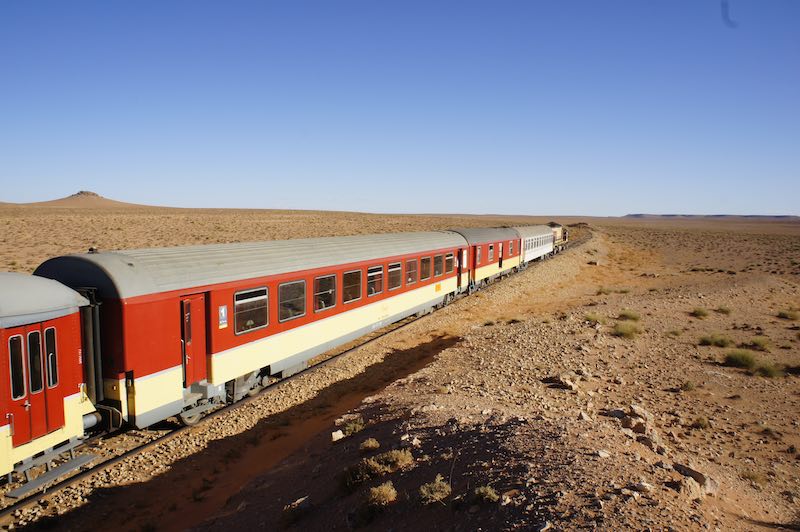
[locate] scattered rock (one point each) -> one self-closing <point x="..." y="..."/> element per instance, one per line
<point x="708" y="485"/>
<point x="602" y="453"/>
<point x="337" y="435"/>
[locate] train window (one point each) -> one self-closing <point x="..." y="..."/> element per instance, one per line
<point x="291" y="300"/>
<point x="374" y="280"/>
<point x="395" y="275"/>
<point x="438" y="265"/>
<point x="411" y="271"/>
<point x="351" y="286"/>
<point x="424" y="268"/>
<point x="324" y="292"/>
<point x="478" y="254"/>
<point x="51" y="357"/>
<point x="17" y="367"/>
<point x="250" y="310"/>
<point x="491" y="252"/>
<point x="510" y="247"/>
<point x="35" y="361"/>
<point x="448" y="263"/>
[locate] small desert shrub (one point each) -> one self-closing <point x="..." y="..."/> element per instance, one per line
<point x="674" y="333"/>
<point x="602" y="291"/>
<point x="370" y="444"/>
<point x="435" y="491"/>
<point x="740" y="358"/>
<point x="758" y="343"/>
<point x="382" y="495"/>
<point x="769" y="370"/>
<point x="376" y="466"/>
<point x="593" y="318"/>
<point x="723" y="310"/>
<point x="791" y="315"/>
<point x="687" y="386"/>
<point x="699" y="313"/>
<point x="624" y="291"/>
<point x="486" y="494"/>
<point x="353" y="426"/>
<point x="700" y="423"/>
<point x="628" y="315"/>
<point x="715" y="340"/>
<point x="755" y="477"/>
<point x="625" y="330"/>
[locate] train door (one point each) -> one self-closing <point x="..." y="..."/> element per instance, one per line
<point x="462" y="265"/>
<point x="54" y="392"/>
<point x="193" y="338"/>
<point x="501" y="255"/>
<point x="18" y="414"/>
<point x="37" y="401"/>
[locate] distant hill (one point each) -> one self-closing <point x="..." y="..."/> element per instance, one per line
<point x="780" y="217"/>
<point x="83" y="199"/>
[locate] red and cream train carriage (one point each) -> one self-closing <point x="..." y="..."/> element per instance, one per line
<point x="42" y="395"/>
<point x="189" y="327"/>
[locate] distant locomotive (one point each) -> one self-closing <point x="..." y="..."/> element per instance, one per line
<point x="104" y="339"/>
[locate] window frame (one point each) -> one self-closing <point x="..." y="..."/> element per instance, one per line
<point x="452" y="262"/>
<point x="265" y="296"/>
<point x="440" y="256"/>
<point x="416" y="271"/>
<point x="368" y="281"/>
<point x="490" y="253"/>
<point x="41" y="368"/>
<point x="11" y="368"/>
<point x="430" y="268"/>
<point x="314" y="295"/>
<point x="510" y="248"/>
<point x="478" y="254"/>
<point x="47" y="356"/>
<point x="399" y="266"/>
<point x="360" y="273"/>
<point x="305" y="301"/>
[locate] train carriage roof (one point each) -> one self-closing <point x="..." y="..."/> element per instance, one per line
<point x="533" y="231"/>
<point x="481" y="235"/>
<point x="26" y="299"/>
<point x="139" y="272"/>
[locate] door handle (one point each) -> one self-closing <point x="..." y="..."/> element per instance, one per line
<point x="10" y="418"/>
<point x="27" y="405"/>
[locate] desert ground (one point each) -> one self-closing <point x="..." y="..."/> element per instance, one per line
<point x="648" y="378"/>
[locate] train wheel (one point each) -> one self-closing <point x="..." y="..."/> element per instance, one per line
<point x="189" y="420"/>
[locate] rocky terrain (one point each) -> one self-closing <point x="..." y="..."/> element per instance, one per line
<point x="645" y="379"/>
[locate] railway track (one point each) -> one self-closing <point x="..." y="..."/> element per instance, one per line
<point x="323" y="360"/>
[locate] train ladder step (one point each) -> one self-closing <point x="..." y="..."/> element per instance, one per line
<point x="50" y="476"/>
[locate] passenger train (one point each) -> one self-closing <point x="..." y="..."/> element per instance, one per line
<point x="101" y="340"/>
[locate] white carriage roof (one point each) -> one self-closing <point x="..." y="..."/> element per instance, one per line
<point x="138" y="272"/>
<point x="26" y="299"/>
<point x="533" y="231"/>
<point x="481" y="235"/>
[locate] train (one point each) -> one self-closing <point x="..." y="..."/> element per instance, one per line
<point x="103" y="340"/>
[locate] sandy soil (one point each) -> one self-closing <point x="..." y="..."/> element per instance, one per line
<point x="470" y="392"/>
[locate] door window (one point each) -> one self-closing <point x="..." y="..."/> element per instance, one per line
<point x="17" y="367"/>
<point x="52" y="358"/>
<point x="35" y="361"/>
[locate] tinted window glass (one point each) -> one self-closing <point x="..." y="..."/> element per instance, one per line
<point x="324" y="292"/>
<point x="425" y="268"/>
<point x="17" y="367"/>
<point x="250" y="310"/>
<point x="51" y="357"/>
<point x="35" y="362"/>
<point x="491" y="253"/>
<point x="395" y="276"/>
<point x="291" y="300"/>
<point x="351" y="286"/>
<point x="438" y="265"/>
<point x="448" y="263"/>
<point x="374" y="280"/>
<point x="411" y="272"/>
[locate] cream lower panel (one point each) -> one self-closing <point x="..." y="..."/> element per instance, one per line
<point x="155" y="391"/>
<point x="485" y="272"/>
<point x="75" y="407"/>
<point x="241" y="360"/>
<point x="114" y="389"/>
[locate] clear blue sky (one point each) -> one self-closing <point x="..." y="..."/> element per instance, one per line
<point x="563" y="107"/>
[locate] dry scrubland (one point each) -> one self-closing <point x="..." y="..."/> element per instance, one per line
<point x="658" y="388"/>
